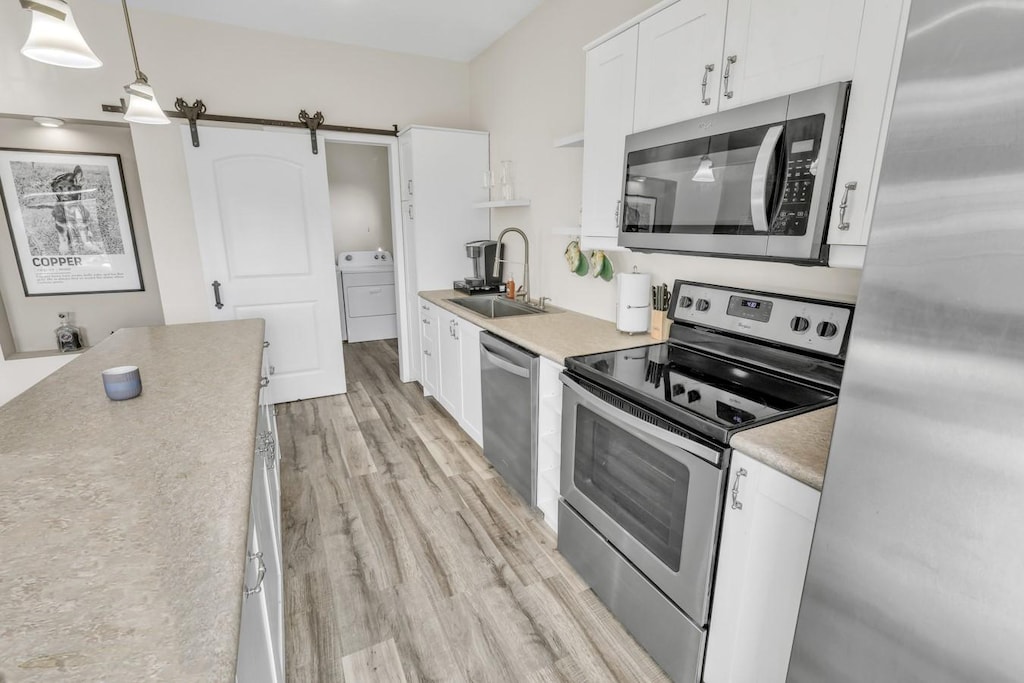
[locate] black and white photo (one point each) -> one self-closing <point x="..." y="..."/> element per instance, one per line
<point x="70" y="222"/>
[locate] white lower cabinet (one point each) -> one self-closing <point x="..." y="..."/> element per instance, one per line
<point x="429" y="367"/>
<point x="261" y="631"/>
<point x="451" y="366"/>
<point x="549" y="437"/>
<point x="472" y="401"/>
<point x="766" y="542"/>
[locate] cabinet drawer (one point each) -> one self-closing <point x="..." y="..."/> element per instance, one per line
<point x="370" y="300"/>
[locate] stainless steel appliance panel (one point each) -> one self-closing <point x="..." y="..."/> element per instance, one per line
<point x="915" y="567"/>
<point x="672" y="640"/>
<point x="667" y="529"/>
<point x="739" y="218"/>
<point x="509" y="390"/>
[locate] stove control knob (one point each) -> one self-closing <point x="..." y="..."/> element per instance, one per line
<point x="685" y="302"/>
<point x="692" y="395"/>
<point x="799" y="324"/>
<point x="678" y="389"/>
<point x="827" y="330"/>
<point x="376" y="257"/>
<point x="703" y="305"/>
<point x="348" y="257"/>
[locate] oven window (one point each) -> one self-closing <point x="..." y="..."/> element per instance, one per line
<point x="635" y="484"/>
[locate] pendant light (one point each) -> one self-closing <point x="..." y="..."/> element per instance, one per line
<point x="142" y="104"/>
<point x="704" y="173"/>
<point x="54" y="37"/>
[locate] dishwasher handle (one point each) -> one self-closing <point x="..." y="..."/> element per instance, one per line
<point x="504" y="364"/>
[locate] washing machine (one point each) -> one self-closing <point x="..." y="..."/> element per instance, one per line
<point x="366" y="294"/>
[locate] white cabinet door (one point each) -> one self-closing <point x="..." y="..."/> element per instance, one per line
<point x="449" y="390"/>
<point x="472" y="402"/>
<point x="405" y="167"/>
<point x="777" y="47"/>
<point x="429" y="323"/>
<point x="766" y="542"/>
<point x="679" y="63"/>
<point x="263" y="221"/>
<point x="608" y="118"/>
<point x="867" y="119"/>
<point x="254" y="661"/>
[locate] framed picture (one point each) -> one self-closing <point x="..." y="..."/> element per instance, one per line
<point x="69" y="221"/>
<point x="639" y="213"/>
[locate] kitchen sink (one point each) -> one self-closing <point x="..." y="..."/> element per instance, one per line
<point x="495" y="306"/>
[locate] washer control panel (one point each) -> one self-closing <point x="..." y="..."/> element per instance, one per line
<point x="813" y="325"/>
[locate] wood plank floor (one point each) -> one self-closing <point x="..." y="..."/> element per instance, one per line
<point x="408" y="559"/>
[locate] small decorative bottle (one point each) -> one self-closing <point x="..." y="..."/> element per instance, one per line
<point x="69" y="338"/>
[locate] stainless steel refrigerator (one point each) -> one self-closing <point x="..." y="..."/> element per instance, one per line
<point x="917" y="565"/>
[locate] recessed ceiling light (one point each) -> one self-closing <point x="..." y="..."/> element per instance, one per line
<point x="48" y="122"/>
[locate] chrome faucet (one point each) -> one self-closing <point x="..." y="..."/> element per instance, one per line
<point x="525" y="288"/>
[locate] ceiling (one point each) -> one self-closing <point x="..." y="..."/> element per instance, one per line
<point x="449" y="29"/>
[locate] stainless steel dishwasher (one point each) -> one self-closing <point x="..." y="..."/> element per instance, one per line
<point x="508" y="375"/>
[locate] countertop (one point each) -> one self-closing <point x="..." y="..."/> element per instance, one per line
<point x="556" y="334"/>
<point x="797" y="447"/>
<point x="124" y="524"/>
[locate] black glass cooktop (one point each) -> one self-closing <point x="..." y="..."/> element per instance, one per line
<point x="715" y="396"/>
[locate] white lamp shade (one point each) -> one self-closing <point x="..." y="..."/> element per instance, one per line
<point x="58" y="42"/>
<point x="141" y="109"/>
<point x="704" y="173"/>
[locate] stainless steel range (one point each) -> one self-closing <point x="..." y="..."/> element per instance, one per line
<point x="645" y="452"/>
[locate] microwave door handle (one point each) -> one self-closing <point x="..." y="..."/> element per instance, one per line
<point x="639" y="426"/>
<point x="759" y="181"/>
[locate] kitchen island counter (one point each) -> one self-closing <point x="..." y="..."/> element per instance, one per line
<point x="555" y="334"/>
<point x="124" y="524"/>
<point x="797" y="447"/>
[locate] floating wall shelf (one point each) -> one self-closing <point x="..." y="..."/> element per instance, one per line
<point x="574" y="140"/>
<point x="502" y="204"/>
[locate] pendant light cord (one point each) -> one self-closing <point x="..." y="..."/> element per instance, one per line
<point x="131" y="41"/>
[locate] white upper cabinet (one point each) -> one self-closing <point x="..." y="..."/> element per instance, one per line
<point x="608" y="118"/>
<point x="679" y="63"/>
<point x="777" y="47"/>
<point x="867" y="119"/>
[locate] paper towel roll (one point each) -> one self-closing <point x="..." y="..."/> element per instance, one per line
<point x="632" y="302"/>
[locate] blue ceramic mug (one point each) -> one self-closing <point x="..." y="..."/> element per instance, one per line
<point x="122" y="383"/>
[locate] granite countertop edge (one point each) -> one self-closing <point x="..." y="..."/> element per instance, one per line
<point x="797" y="447"/>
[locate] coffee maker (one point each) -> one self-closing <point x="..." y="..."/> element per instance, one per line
<point x="482" y="253"/>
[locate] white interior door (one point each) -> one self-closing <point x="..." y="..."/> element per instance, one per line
<point x="262" y="213"/>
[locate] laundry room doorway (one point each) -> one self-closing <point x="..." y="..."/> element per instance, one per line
<point x="363" y="223"/>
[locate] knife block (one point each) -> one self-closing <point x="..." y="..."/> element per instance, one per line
<point x="659" y="325"/>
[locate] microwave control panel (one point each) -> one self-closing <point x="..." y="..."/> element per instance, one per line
<point x="818" y="326"/>
<point x="800" y="150"/>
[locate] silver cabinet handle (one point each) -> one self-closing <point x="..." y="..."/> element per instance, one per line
<point x="426" y="352"/>
<point x="644" y="306"/>
<point x="704" y="99"/>
<point x="409" y="211"/>
<point x="266" y="344"/>
<point x="272" y="369"/>
<point x="262" y="572"/>
<point x="426" y="321"/>
<point x="729" y="61"/>
<point x="425" y="307"/>
<point x="264" y="381"/>
<point x="456" y="335"/>
<point x="408" y="184"/>
<point x="843" y="223"/>
<point x="618" y="210"/>
<point x="216" y="294"/>
<point x="736" y="503"/>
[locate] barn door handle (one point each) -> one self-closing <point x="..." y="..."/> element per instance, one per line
<point x="216" y="295"/>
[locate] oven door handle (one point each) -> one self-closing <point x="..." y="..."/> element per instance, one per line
<point x="759" y="180"/>
<point x="641" y="426"/>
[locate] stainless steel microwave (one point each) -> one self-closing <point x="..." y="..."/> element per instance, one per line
<point x="752" y="182"/>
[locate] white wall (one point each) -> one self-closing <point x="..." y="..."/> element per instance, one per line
<point x="360" y="188"/>
<point x="33" y="319"/>
<point x="235" y="71"/>
<point x="527" y="90"/>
